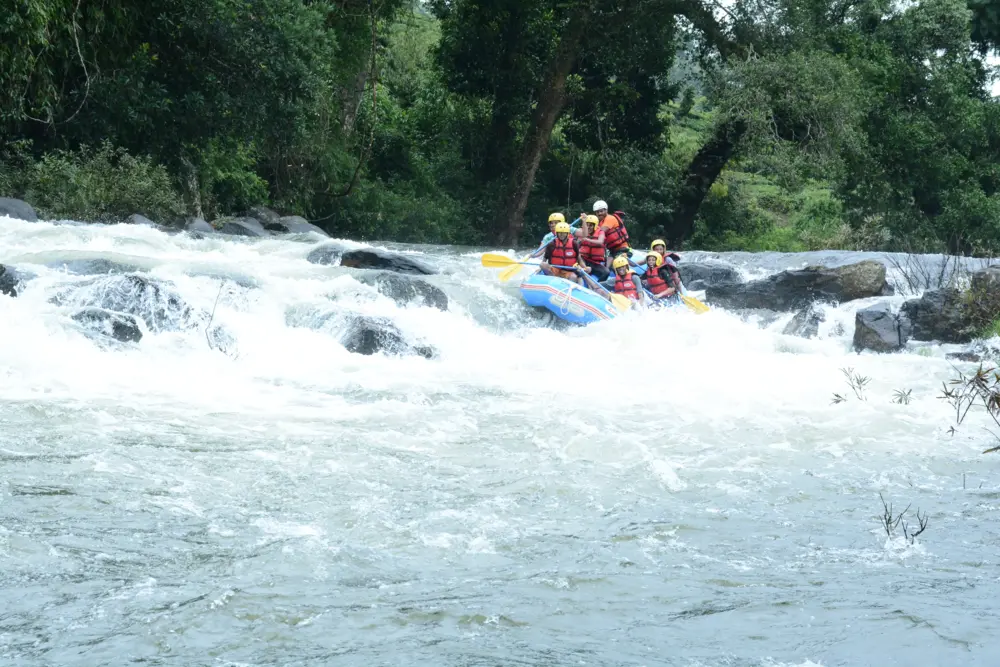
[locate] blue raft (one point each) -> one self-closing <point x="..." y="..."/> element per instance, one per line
<point x="566" y="300"/>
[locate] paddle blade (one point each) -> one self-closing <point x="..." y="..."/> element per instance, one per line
<point x="694" y="304"/>
<point x="512" y="270"/>
<point x="621" y="302"/>
<point x="494" y="261"/>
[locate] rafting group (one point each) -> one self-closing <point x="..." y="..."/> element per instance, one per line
<point x="586" y="269"/>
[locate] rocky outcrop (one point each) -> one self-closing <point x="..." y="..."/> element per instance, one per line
<point x="370" y="335"/>
<point x="156" y="304"/>
<point x="879" y="329"/>
<point x="119" y="326"/>
<point x="328" y="253"/>
<point x="404" y="289"/>
<point x="198" y="226"/>
<point x="371" y="258"/>
<point x="10" y="281"/>
<point x="794" y="289"/>
<point x="295" y="224"/>
<point x="17" y="209"/>
<point x="806" y="322"/>
<point x="941" y="315"/>
<point x="701" y="275"/>
<point x="266" y="218"/>
<point x="249" y="227"/>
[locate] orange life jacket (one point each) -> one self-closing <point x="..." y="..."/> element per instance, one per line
<point x="615" y="235"/>
<point x="563" y="254"/>
<point x="653" y="281"/>
<point x="624" y="285"/>
<point x="592" y="253"/>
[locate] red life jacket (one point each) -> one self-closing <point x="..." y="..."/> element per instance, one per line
<point x="624" y="285"/>
<point x="615" y="238"/>
<point x="563" y="254"/>
<point x="592" y="253"/>
<point x="653" y="281"/>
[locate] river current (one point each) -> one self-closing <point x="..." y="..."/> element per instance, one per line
<point x="661" y="489"/>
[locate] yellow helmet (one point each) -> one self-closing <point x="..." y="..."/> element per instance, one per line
<point x="620" y="261"/>
<point x="592" y="220"/>
<point x="562" y="227"/>
<point x="659" y="257"/>
<point x="658" y="242"/>
<point x="557" y="217"/>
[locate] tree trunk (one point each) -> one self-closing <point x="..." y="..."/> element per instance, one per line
<point x="551" y="99"/>
<point x="702" y="172"/>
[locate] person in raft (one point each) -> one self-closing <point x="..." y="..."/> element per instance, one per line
<point x="554" y="219"/>
<point x="592" y="247"/>
<point x="626" y="282"/>
<point x="615" y="234"/>
<point x="562" y="254"/>
<point x="670" y="260"/>
<point x="657" y="278"/>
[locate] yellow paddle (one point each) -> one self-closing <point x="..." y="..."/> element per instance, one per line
<point x="494" y="261"/>
<point x="694" y="304"/>
<point x="512" y="270"/>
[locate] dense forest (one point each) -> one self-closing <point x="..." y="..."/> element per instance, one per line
<point x="752" y="124"/>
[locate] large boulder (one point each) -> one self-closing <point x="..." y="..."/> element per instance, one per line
<point x="369" y="335"/>
<point x="198" y="226"/>
<point x="10" y="281"/>
<point x="250" y="227"/>
<point x="404" y="289"/>
<point x="158" y="306"/>
<point x="17" y="209"/>
<point x="879" y="329"/>
<point x="701" y="275"/>
<point x="266" y="218"/>
<point x="372" y="258"/>
<point x="295" y="224"/>
<point x="327" y="253"/>
<point x="794" y="289"/>
<point x="119" y="326"/>
<point x="139" y="219"/>
<point x="942" y="315"/>
<point x="806" y="322"/>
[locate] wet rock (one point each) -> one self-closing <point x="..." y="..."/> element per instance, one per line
<point x="879" y="329"/>
<point x="794" y="289"/>
<point x="198" y="226"/>
<point x="806" y="322"/>
<point x="940" y="315"/>
<point x="156" y="304"/>
<point x="965" y="355"/>
<point x="249" y="227"/>
<point x="17" y="209"/>
<point x="10" y="281"/>
<point x="403" y="289"/>
<point x="328" y="253"/>
<point x="370" y="335"/>
<point x="138" y="219"/>
<point x="295" y="224"/>
<point x="266" y="218"/>
<point x="701" y="275"/>
<point x="371" y="258"/>
<point x="92" y="267"/>
<point x="120" y="326"/>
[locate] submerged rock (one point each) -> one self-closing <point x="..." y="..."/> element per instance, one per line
<point x="328" y="253"/>
<point x="139" y="219"/>
<point x="806" y="322"/>
<point x="10" y="281"/>
<point x="878" y="329"/>
<point x="371" y="258"/>
<point x="159" y="307"/>
<point x="403" y="289"/>
<point x="701" y="275"/>
<point x="92" y="267"/>
<point x="120" y="326"/>
<point x="295" y="224"/>
<point x="369" y="335"/>
<point x="198" y="226"/>
<point x="17" y="209"/>
<point x="241" y="227"/>
<point x="790" y="290"/>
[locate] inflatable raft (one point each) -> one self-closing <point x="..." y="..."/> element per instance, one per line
<point x="566" y="300"/>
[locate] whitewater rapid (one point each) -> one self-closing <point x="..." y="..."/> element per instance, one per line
<point x="660" y="489"/>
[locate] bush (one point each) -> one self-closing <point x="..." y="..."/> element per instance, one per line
<point x="106" y="184"/>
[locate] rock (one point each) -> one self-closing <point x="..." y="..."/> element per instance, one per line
<point x="794" y="289"/>
<point x="198" y="226"/>
<point x="159" y="307"/>
<point x="966" y="355"/>
<point x="138" y="219"/>
<point x="700" y="275"/>
<point x="328" y="253"/>
<point x="806" y="322"/>
<point x="371" y="258"/>
<point x="368" y="335"/>
<point x="17" y="209"/>
<point x="403" y="289"/>
<point x="120" y="326"/>
<point x="987" y="280"/>
<point x="940" y="315"/>
<point x="294" y="224"/>
<point x="10" y="281"/>
<point x="241" y="227"/>
<point x="92" y="267"/>
<point x="267" y="218"/>
<point x="878" y="329"/>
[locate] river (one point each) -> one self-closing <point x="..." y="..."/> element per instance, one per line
<point x="660" y="489"/>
